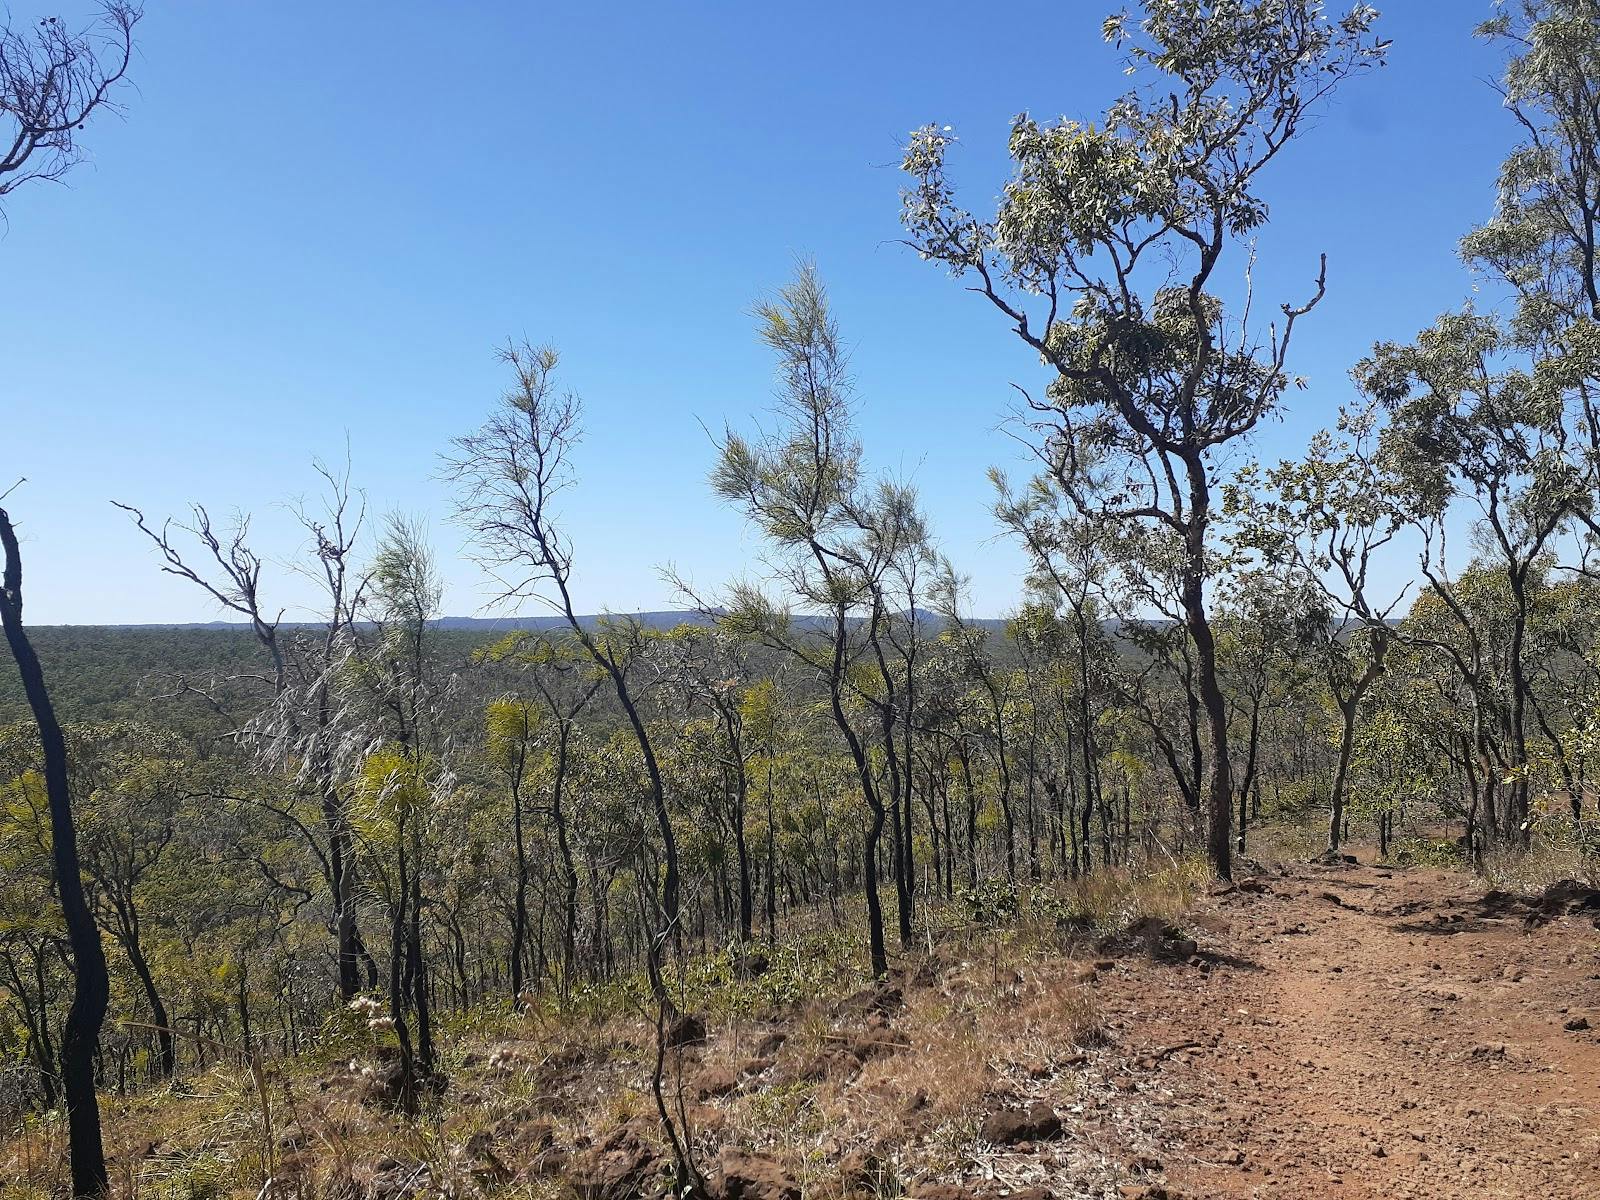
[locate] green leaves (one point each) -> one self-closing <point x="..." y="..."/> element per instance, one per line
<point x="1469" y="422"/>
<point x="1541" y="240"/>
<point x="1103" y="255"/>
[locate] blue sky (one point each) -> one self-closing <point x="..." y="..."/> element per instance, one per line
<point x="316" y="222"/>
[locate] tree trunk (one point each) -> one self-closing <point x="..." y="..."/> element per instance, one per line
<point x="772" y="859"/>
<point x="569" y="899"/>
<point x="1349" y="709"/>
<point x="519" y="903"/>
<point x="167" y="1057"/>
<point x="1219" y="792"/>
<point x="347" y="938"/>
<point x="92" y="986"/>
<point x="742" y="849"/>
<point x="421" y="1002"/>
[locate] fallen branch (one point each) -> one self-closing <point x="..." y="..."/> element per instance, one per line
<point x="1160" y="1056"/>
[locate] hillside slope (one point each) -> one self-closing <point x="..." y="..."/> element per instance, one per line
<point x="1316" y="1031"/>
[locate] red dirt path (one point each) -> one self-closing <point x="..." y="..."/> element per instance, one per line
<point x="1364" y="1032"/>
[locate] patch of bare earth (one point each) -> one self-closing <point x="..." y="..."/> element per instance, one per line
<point x="1364" y="1032"/>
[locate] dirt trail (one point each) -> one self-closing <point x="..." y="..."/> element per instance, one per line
<point x="1363" y="1033"/>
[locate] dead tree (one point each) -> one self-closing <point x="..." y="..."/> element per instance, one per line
<point x="300" y="723"/>
<point x="52" y="81"/>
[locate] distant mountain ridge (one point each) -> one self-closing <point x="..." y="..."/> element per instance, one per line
<point x="662" y="619"/>
<point x="651" y="620"/>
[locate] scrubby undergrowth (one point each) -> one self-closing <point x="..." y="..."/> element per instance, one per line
<point x="828" y="1081"/>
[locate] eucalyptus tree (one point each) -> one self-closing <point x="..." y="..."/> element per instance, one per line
<point x="611" y="835"/>
<point x="304" y="727"/>
<point x="1498" y="415"/>
<point x="933" y="719"/>
<point x="946" y="728"/>
<point x="34" y="969"/>
<point x="1565" y="673"/>
<point x="1451" y="638"/>
<point x="709" y="670"/>
<point x="1329" y="518"/>
<point x="1067" y="563"/>
<point x="1266" y="621"/>
<point x="913" y="573"/>
<point x="895" y="530"/>
<point x="1542" y="240"/>
<point x="134" y="782"/>
<point x="997" y="692"/>
<point x="402" y="770"/>
<point x="696" y="760"/>
<point x="1391" y="767"/>
<point x="1471" y="426"/>
<point x="771" y="733"/>
<point x="1041" y="734"/>
<point x="836" y="538"/>
<point x="1158" y="684"/>
<point x="1459" y="638"/>
<point x="1105" y="256"/>
<point x="52" y="82"/>
<point x="510" y="474"/>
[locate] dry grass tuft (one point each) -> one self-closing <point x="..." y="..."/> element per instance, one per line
<point x="1534" y="869"/>
<point x="1289" y="841"/>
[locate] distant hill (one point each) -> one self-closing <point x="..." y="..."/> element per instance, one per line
<point x="665" y="619"/>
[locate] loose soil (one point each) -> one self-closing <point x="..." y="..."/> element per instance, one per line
<point x="1352" y="1031"/>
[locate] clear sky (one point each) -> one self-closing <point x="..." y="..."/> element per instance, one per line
<point x="316" y="222"/>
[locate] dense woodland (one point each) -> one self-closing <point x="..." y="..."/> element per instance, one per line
<point x="1395" y="636"/>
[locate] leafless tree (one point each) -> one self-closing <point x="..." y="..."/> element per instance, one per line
<point x="303" y="723"/>
<point x="238" y="589"/>
<point x="52" y="80"/>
